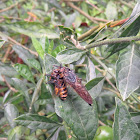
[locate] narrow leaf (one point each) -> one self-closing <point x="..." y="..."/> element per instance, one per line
<point x="124" y="127"/>
<point x="1" y="43"/>
<point x="35" y="64"/>
<point x="132" y="30"/>
<point x="69" y="55"/>
<point x="128" y="71"/>
<point x="7" y="70"/>
<point x="50" y="47"/>
<point x="94" y="86"/>
<point x="78" y="115"/>
<point x="90" y="74"/>
<point x="20" y="85"/>
<point x="35" y="121"/>
<point x="38" y="47"/>
<point x="36" y="92"/>
<point x="16" y="133"/>
<point x="135" y="13"/>
<point x="11" y="113"/>
<point x="58" y="49"/>
<point x="6" y="95"/>
<point x="24" y="71"/>
<point x="32" y="29"/>
<point x="49" y="62"/>
<point x="23" y="53"/>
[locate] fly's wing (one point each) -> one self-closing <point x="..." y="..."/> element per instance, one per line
<point x="80" y="89"/>
<point x="71" y="78"/>
<point x="83" y="93"/>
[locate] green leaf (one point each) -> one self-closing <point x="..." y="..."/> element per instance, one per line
<point x="1" y="43"/>
<point x="70" y="55"/>
<point x="53" y="133"/>
<point x="23" y="53"/>
<point x="45" y="44"/>
<point x="94" y="86"/>
<point x="24" y="71"/>
<point x="43" y="101"/>
<point x="35" y="64"/>
<point x="128" y="71"/>
<point x="135" y="117"/>
<point x="7" y="70"/>
<point x="32" y="29"/>
<point x="79" y="116"/>
<point x="58" y="49"/>
<point x="36" y="92"/>
<point x="49" y="62"/>
<point x="132" y="30"/>
<point x="65" y="30"/>
<point x="124" y="127"/>
<point x="50" y="47"/>
<point x="11" y="112"/>
<point x="38" y="47"/>
<point x="33" y="121"/>
<point x="111" y="6"/>
<point x="20" y="85"/>
<point x="90" y="73"/>
<point x="16" y="133"/>
<point x="6" y="96"/>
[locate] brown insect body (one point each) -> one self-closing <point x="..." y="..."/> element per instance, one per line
<point x="62" y="76"/>
<point x="72" y="79"/>
<point x="60" y="87"/>
<point x="61" y="90"/>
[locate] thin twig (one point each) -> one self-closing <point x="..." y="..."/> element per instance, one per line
<point x="8" y="8"/>
<point x="103" y="65"/>
<point x="82" y="12"/>
<point x="93" y="5"/>
<point x="10" y="18"/>
<point x="15" y="42"/>
<point x="98" y="27"/>
<point x="127" y="4"/>
<point x="9" y="86"/>
<point x="93" y="19"/>
<point x="6" y="54"/>
<point x="36" y="91"/>
<point x="117" y="93"/>
<point x="101" y="123"/>
<point x="135" y="109"/>
<point x="88" y="33"/>
<point x="111" y="84"/>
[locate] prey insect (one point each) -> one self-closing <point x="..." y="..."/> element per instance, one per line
<point x="67" y="76"/>
<point x="60" y="87"/>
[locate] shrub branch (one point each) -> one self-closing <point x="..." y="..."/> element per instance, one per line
<point x="112" y="41"/>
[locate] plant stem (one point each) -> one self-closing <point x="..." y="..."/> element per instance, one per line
<point x="103" y="65"/>
<point x="36" y="91"/>
<point x="112" y="41"/>
<point x="66" y="130"/>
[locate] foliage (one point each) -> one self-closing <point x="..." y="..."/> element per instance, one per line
<point x="35" y="36"/>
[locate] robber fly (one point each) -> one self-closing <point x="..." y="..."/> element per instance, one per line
<point x="70" y="78"/>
